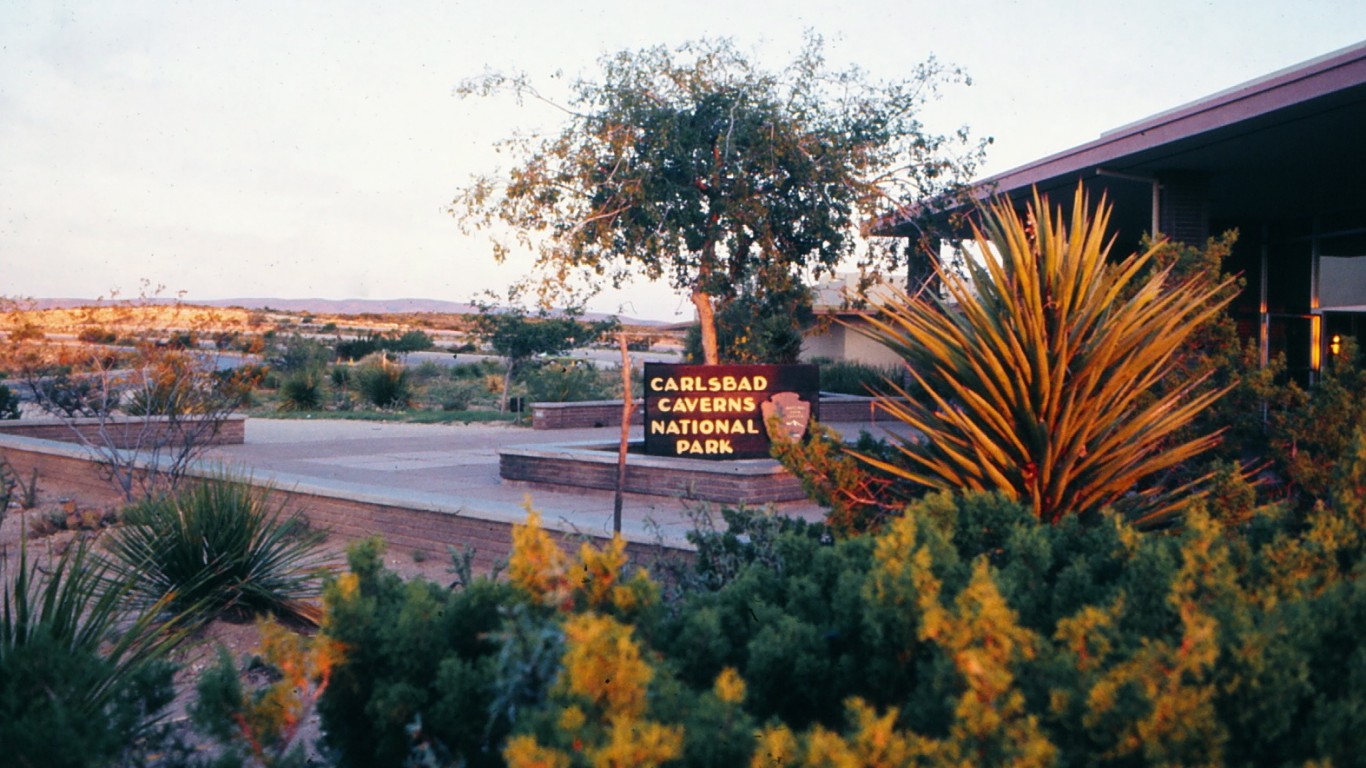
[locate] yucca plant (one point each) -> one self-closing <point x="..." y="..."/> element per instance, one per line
<point x="1040" y="367"/>
<point x="221" y="545"/>
<point x="81" y="676"/>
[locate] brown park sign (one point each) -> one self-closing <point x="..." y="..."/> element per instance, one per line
<point x="722" y="411"/>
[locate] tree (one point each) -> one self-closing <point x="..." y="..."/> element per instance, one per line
<point x="519" y="338"/>
<point x="697" y="166"/>
<point x="1041" y="369"/>
<point x="758" y="326"/>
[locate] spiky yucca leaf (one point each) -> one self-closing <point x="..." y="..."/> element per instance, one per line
<point x="81" y="672"/>
<point x="1041" y="367"/>
<point x="222" y="545"/>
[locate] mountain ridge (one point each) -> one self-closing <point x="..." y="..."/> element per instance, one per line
<point x="316" y="306"/>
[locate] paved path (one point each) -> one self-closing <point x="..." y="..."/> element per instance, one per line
<point x="454" y="466"/>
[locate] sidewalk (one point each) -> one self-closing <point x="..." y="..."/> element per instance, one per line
<point x="454" y="468"/>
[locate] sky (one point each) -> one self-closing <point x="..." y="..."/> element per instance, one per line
<point x="229" y="149"/>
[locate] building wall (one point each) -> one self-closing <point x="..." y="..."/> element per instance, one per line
<point x="841" y="343"/>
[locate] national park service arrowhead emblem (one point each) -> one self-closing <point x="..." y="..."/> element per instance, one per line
<point x="793" y="415"/>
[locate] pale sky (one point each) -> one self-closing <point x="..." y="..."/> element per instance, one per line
<point x="310" y="149"/>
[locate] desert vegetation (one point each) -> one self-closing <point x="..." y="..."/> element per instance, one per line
<point x="927" y="621"/>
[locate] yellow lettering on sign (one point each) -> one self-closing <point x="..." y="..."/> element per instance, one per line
<point x="706" y="447"/>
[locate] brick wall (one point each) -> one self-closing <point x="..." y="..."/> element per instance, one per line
<point x="66" y="471"/>
<point x="750" y="481"/>
<point x="588" y="414"/>
<point x="122" y="432"/>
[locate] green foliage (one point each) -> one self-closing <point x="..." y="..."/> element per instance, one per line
<point x="761" y="324"/>
<point x="383" y="385"/>
<point x="360" y="347"/>
<point x="456" y="395"/>
<point x="697" y="166"/>
<point x="858" y="494"/>
<point x="851" y="378"/>
<point x="415" y="650"/>
<point x="415" y="340"/>
<point x="299" y="354"/>
<point x="220" y="545"/>
<point x="1306" y="431"/>
<point x="9" y="403"/>
<point x="569" y="381"/>
<point x="1039" y="371"/>
<point x="81" y="677"/>
<point x="61" y="393"/>
<point x="302" y="391"/>
<point x="261" y="726"/>
<point x="519" y="338"/>
<point x="963" y="631"/>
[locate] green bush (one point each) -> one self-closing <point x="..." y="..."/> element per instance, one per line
<point x="429" y="370"/>
<point x="417" y="654"/>
<point x="301" y="391"/>
<point x="383" y="385"/>
<point x="458" y="395"/>
<point x="9" y="403"/>
<point x="82" y="678"/>
<point x="359" y="347"/>
<point x="568" y="382"/>
<point x="220" y="546"/>
<point x="299" y="354"/>
<point x="409" y="341"/>
<point x="850" y="378"/>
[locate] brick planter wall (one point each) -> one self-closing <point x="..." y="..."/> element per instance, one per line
<point x="407" y="522"/>
<point x="594" y="465"/>
<point x="123" y="432"/>
<point x="587" y="414"/>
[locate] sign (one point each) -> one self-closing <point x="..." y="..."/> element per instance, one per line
<point x="721" y="411"/>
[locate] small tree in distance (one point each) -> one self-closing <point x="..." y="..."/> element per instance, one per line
<point x="518" y="337"/>
<point x="695" y="166"/>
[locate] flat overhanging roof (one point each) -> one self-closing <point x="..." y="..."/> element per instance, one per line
<point x="1290" y="143"/>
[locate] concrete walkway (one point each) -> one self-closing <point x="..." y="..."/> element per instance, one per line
<point x="455" y="468"/>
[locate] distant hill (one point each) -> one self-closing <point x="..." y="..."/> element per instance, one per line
<point x="324" y="306"/>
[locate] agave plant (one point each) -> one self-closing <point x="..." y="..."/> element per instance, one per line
<point x="221" y="545"/>
<point x="81" y="675"/>
<point x="1040" y="367"/>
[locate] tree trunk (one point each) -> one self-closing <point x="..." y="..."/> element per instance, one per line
<point x="507" y="388"/>
<point x="706" y="319"/>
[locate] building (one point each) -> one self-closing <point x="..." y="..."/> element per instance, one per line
<point x="835" y="335"/>
<point x="1281" y="159"/>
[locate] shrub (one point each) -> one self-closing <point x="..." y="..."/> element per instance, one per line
<point x="301" y="391"/>
<point x="429" y="370"/>
<point x="383" y="385"/>
<point x="221" y="546"/>
<point x="9" y="403"/>
<point x="81" y="677"/>
<point x="409" y="341"/>
<point x="456" y="395"/>
<point x="850" y="378"/>
<point x="567" y="382"/>
<point x="1039" y="378"/>
<point x="298" y="354"/>
<point x="97" y="335"/>
<point x="359" y="347"/>
<point x="417" y="653"/>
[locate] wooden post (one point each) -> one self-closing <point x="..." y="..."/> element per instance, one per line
<point x="626" y="406"/>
